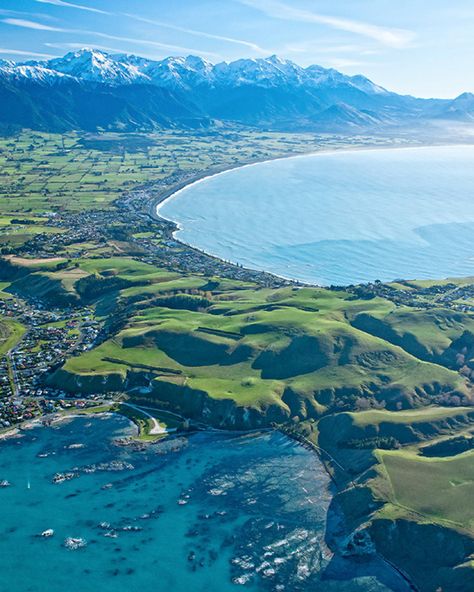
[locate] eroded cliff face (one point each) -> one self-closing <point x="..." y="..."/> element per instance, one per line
<point x="193" y="403"/>
<point x="87" y="383"/>
<point x="435" y="558"/>
<point x="222" y="413"/>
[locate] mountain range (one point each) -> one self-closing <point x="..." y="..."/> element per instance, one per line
<point x="90" y="89"/>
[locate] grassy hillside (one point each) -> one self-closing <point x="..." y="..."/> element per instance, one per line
<point x="441" y="489"/>
<point x="378" y="377"/>
<point x="294" y="348"/>
<point x="10" y="334"/>
<point x="431" y="335"/>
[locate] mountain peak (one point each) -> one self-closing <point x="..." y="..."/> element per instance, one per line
<point x="272" y="92"/>
<point x="96" y="66"/>
<point x="180" y="73"/>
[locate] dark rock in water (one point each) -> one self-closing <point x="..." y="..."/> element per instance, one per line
<point x="228" y="541"/>
<point x="73" y="544"/>
<point x="358" y="544"/>
<point x="49" y="532"/>
<point x="131" y="528"/>
<point x="194" y="532"/>
<point x="61" y="477"/>
<point x="111" y="534"/>
<point x="191" y="556"/>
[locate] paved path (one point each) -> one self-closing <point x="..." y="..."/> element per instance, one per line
<point x="157" y="428"/>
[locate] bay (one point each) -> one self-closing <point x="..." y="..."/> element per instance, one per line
<point x="210" y="512"/>
<point x="339" y="218"/>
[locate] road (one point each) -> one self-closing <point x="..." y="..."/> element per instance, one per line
<point x="157" y="428"/>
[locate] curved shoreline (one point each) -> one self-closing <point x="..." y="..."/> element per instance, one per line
<point x="169" y="194"/>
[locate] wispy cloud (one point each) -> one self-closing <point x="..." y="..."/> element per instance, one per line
<point x="341" y="63"/>
<point x="85" y="45"/>
<point x="253" y="46"/>
<point x="71" y="5"/>
<point x="132" y="40"/>
<point x="157" y="44"/>
<point x="397" y="38"/>
<point x="31" y="25"/>
<point x="322" y="48"/>
<point x="22" y="14"/>
<point x="106" y="48"/>
<point x="20" y="52"/>
<point x="248" y="44"/>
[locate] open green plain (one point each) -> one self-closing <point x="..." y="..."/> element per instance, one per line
<point x="372" y="375"/>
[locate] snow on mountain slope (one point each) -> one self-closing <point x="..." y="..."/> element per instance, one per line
<point x="266" y="72"/>
<point x="185" y="73"/>
<point x="180" y="72"/>
<point x="32" y="72"/>
<point x="97" y="66"/>
<point x="133" y="92"/>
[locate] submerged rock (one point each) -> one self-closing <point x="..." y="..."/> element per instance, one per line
<point x="72" y="543"/>
<point x="358" y="544"/>
<point x="61" y="477"/>
<point x="49" y="532"/>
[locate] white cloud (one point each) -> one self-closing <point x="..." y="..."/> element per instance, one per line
<point x="70" y="5"/>
<point x="341" y="63"/>
<point x="134" y="41"/>
<point x="397" y="38"/>
<point x="157" y="44"/>
<point x="20" y="52"/>
<point x="248" y="44"/>
<point x="31" y="25"/>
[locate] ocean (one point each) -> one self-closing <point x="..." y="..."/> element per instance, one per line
<point x="212" y="512"/>
<point x="339" y="218"/>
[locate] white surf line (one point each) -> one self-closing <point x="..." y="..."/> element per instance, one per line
<point x="331" y="151"/>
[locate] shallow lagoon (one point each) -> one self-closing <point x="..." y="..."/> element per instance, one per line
<point x="339" y="218"/>
<point x="208" y="512"/>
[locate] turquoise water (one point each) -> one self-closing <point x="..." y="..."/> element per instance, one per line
<point x="254" y="515"/>
<point x="339" y="218"/>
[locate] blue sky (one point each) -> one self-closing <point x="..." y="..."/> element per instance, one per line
<point x="421" y="47"/>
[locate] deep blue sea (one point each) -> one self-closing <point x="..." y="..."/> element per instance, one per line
<point x="339" y="218"/>
<point x="210" y="513"/>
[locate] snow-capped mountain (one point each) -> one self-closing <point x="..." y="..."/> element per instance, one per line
<point x="91" y="88"/>
<point x="32" y="72"/>
<point x="97" y="66"/>
<point x="184" y="72"/>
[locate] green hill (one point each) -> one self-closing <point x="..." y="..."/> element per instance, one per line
<point x="294" y="349"/>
